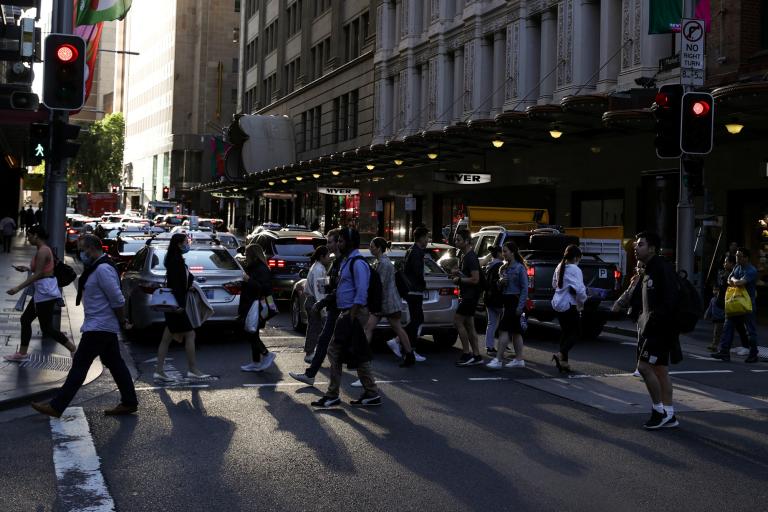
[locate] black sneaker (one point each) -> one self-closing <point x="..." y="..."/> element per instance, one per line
<point x="326" y="402"/>
<point x="752" y="359"/>
<point x="491" y="352"/>
<point x="671" y="423"/>
<point x="366" y="401"/>
<point x="464" y="360"/>
<point x="723" y="356"/>
<point x="476" y="360"/>
<point x="657" y="420"/>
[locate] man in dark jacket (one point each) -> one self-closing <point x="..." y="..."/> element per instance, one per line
<point x="414" y="272"/>
<point x="658" y="337"/>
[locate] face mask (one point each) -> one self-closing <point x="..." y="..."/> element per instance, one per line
<point x="185" y="249"/>
<point x="85" y="258"/>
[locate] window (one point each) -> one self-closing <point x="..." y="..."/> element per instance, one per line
<point x="336" y="119"/>
<point x="237" y="5"/>
<point x="293" y="15"/>
<point x="233" y="96"/>
<point x="319" y="56"/>
<point x="235" y="64"/>
<point x="250" y="53"/>
<point x="304" y="139"/>
<point x="236" y="35"/>
<point x="345" y="115"/>
<point x="355" y="34"/>
<point x="321" y="6"/>
<point x="311" y="123"/>
<point x="251" y="7"/>
<point x="270" y="33"/>
<point x="270" y="88"/>
<point x="292" y="71"/>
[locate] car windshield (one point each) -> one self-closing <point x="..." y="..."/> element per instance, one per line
<point x="300" y="246"/>
<point x="199" y="259"/>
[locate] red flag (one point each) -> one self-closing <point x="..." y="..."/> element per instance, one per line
<point x="92" y="36"/>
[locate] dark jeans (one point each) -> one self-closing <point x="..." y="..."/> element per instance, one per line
<point x="416" y="314"/>
<point x="7" y="243"/>
<point x="322" y="342"/>
<point x="104" y="345"/>
<point x="745" y="326"/>
<point x="569" y="330"/>
<point x="43" y="311"/>
<point x="258" y="348"/>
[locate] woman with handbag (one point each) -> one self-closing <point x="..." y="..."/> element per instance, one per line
<point x="177" y="324"/>
<point x="256" y="288"/>
<point x="568" y="302"/>
<point x="513" y="284"/>
<point x="46" y="295"/>
<point x="391" y="302"/>
<point x="314" y="291"/>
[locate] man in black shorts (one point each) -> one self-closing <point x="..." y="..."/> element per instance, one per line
<point x="658" y="336"/>
<point x="467" y="278"/>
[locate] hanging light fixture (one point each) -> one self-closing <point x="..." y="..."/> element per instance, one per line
<point x="284" y="180"/>
<point x="398" y="162"/>
<point x="555" y="132"/>
<point x="734" y="128"/>
<point x="370" y="167"/>
<point x="497" y="142"/>
<point x="271" y="183"/>
<point x="299" y="178"/>
<point x="432" y="155"/>
<point x="595" y="149"/>
<point x="335" y="172"/>
<point x="315" y="175"/>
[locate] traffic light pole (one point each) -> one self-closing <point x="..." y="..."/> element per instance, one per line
<point x="55" y="207"/>
<point x="685" y="209"/>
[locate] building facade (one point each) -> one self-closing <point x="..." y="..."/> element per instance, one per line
<point x="310" y="60"/>
<point x="177" y="95"/>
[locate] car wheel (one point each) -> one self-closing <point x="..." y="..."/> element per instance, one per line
<point x="296" y="322"/>
<point x="446" y="338"/>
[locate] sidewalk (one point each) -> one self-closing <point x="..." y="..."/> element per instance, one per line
<point x="49" y="362"/>
<point x="695" y="342"/>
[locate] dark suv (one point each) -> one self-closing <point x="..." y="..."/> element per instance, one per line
<point x="287" y="254"/>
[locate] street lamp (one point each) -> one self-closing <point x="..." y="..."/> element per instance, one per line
<point x="299" y="178"/>
<point x="734" y="128"/>
<point x="315" y="175"/>
<point x="497" y="142"/>
<point x="432" y="155"/>
<point x="398" y="162"/>
<point x="370" y="167"/>
<point x="335" y="172"/>
<point x="555" y="132"/>
<point x="271" y="183"/>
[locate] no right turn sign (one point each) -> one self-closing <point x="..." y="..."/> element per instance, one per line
<point x="692" y="62"/>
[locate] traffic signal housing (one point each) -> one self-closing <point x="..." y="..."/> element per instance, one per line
<point x="697" y="123"/>
<point x="64" y="72"/>
<point x="64" y="135"/>
<point x="166" y="192"/>
<point x="666" y="110"/>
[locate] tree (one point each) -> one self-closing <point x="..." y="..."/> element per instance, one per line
<point x="99" y="163"/>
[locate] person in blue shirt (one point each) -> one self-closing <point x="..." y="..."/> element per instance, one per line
<point x="352" y="303"/>
<point x="744" y="275"/>
<point x="103" y="302"/>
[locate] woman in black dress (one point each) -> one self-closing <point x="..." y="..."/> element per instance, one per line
<point x="258" y="285"/>
<point x="177" y="324"/>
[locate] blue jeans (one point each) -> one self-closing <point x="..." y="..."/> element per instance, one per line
<point x="322" y="342"/>
<point x="743" y="324"/>
<point x="494" y="315"/>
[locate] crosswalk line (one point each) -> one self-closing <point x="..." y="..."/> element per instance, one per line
<point x="81" y="485"/>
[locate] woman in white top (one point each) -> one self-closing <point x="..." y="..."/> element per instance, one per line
<point x="568" y="302"/>
<point x="314" y="291"/>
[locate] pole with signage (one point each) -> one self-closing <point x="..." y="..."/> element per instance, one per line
<point x="691" y="74"/>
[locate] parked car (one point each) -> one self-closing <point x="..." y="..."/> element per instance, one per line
<point x="267" y="226"/>
<point x="440" y="302"/>
<point x="171" y="220"/>
<point x="288" y="254"/>
<point x="75" y="228"/>
<point x="109" y="233"/>
<point x="542" y="250"/>
<point x="435" y="250"/>
<point x="230" y="242"/>
<point x="217" y="272"/>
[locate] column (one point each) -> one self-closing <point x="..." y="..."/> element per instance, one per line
<point x="412" y="97"/>
<point x="530" y="63"/>
<point x="610" y="41"/>
<point x="458" y="84"/>
<point x="499" y="68"/>
<point x="586" y="45"/>
<point x="548" y="56"/>
<point x="444" y="85"/>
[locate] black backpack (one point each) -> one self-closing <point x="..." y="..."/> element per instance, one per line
<point x="375" y="290"/>
<point x="690" y="308"/>
<point x="63" y="273"/>
<point x="493" y="295"/>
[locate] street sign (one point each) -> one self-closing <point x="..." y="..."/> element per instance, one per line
<point x="692" y="62"/>
<point x="461" y="178"/>
<point x="338" y="191"/>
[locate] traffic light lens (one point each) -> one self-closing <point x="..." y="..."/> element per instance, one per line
<point x="662" y="100"/>
<point x="700" y="108"/>
<point x="66" y="53"/>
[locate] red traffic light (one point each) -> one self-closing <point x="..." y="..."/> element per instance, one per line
<point x="662" y="99"/>
<point x="66" y="53"/>
<point x="700" y="108"/>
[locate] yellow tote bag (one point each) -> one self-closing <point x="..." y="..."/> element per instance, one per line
<point x="737" y="301"/>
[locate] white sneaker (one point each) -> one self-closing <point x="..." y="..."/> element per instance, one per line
<point x="418" y="357"/>
<point x="636" y="373"/>
<point x="161" y="377"/>
<point x="515" y="363"/>
<point x="267" y="361"/>
<point x="309" y="357"/>
<point x="742" y="351"/>
<point x="357" y="384"/>
<point x="394" y="346"/>
<point x="250" y="367"/>
<point x="197" y="376"/>
<point x="494" y="364"/>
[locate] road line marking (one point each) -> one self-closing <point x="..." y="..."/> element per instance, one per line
<point x="282" y="384"/>
<point x="80" y="483"/>
<point x="758" y="371"/>
<point x="688" y="372"/>
<point x="476" y="379"/>
<point x="629" y="343"/>
<point x="173" y="386"/>
<point x="702" y="358"/>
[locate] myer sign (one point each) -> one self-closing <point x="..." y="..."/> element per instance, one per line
<point x="338" y="191"/>
<point x="461" y="178"/>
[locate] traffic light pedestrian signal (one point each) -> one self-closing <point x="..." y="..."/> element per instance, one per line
<point x="64" y="72"/>
<point x="666" y="110"/>
<point x="38" y="148"/>
<point x="166" y="192"/>
<point x="696" y="125"/>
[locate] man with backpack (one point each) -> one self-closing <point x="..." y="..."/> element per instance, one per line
<point x="349" y="344"/>
<point x="657" y="301"/>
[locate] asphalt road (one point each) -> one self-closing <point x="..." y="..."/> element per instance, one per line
<point x="445" y="438"/>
